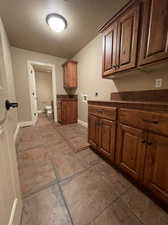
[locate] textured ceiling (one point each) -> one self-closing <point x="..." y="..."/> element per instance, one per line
<point x="26" y="27"/>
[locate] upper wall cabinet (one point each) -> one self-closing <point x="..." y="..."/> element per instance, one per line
<point x="70" y="74"/>
<point x="110" y="50"/>
<point x="128" y="28"/>
<point x="154" y="40"/>
<point x="135" y="37"/>
<point x="120" y="42"/>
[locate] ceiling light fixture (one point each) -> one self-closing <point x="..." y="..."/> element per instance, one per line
<point x="56" y="22"/>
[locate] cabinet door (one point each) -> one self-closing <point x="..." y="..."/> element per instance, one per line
<point x="156" y="166"/>
<point x="128" y="29"/>
<point x="154" y="40"/>
<point x="65" y="73"/>
<point x="59" y="110"/>
<point x="107" y="134"/>
<point x="70" y="74"/>
<point x="130" y="153"/>
<point x="109" y="50"/>
<point x="93" y="130"/>
<point x="69" y="112"/>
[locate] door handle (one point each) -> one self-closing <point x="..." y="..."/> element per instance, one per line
<point x="9" y="104"/>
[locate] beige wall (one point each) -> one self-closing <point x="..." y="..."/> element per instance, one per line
<point x="90" y="81"/>
<point x="10" y="79"/>
<point x="43" y="89"/>
<point x="20" y="58"/>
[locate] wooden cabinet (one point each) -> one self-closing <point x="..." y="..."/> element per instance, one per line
<point x="70" y="74"/>
<point x="154" y="40"/>
<point x="136" y="141"/>
<point x="128" y="30"/>
<point x="110" y="50"/>
<point x="107" y="135"/>
<point x="120" y="42"/>
<point x="135" y="37"/>
<point x="66" y="109"/>
<point x="93" y="130"/>
<point x="156" y="169"/>
<point x="102" y="131"/>
<point x="130" y="153"/>
<point x="143" y="154"/>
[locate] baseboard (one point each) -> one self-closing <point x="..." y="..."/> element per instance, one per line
<point x="16" y="132"/>
<point x="13" y="212"/>
<point x="26" y="124"/>
<point x="84" y="124"/>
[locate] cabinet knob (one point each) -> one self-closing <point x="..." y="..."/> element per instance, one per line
<point x="149" y="143"/>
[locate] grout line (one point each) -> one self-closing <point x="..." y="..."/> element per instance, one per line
<point x="70" y="144"/>
<point x="27" y="149"/>
<point x="62" y="195"/>
<point x="40" y="189"/>
<point x="77" y="173"/>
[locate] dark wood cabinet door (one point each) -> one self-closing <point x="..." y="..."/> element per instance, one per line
<point x="70" y="74"/>
<point x="128" y="29"/>
<point x="156" y="166"/>
<point x="68" y="112"/>
<point x="130" y="152"/>
<point x="154" y="40"/>
<point x="109" y="50"/>
<point x="93" y="130"/>
<point x="107" y="135"/>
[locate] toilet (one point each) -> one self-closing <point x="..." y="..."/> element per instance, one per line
<point x="48" y="110"/>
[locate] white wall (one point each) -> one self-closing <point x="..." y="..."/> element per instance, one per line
<point x="90" y="77"/>
<point x="20" y="58"/>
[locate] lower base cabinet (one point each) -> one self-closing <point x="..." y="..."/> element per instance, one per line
<point x="130" y="154"/>
<point x="107" y="132"/>
<point x="137" y="143"/>
<point x="67" y="109"/>
<point x="102" y="135"/>
<point x="93" y="131"/>
<point x="156" y="166"/>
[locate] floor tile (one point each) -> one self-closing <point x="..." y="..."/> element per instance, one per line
<point x="144" y="208"/>
<point x="111" y="175"/>
<point x="58" y="149"/>
<point x="32" y="157"/>
<point x="34" y="177"/>
<point x="52" y="139"/>
<point x="88" y="194"/>
<point x="117" y="214"/>
<point x="95" y="193"/>
<point x="67" y="165"/>
<point x="30" y="141"/>
<point x="88" y="157"/>
<point x="45" y="208"/>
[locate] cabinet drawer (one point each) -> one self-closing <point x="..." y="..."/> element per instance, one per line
<point x="103" y="111"/>
<point x="152" y="121"/>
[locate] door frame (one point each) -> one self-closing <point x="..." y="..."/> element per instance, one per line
<point x="54" y="88"/>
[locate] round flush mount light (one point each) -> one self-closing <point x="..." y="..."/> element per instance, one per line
<point x="56" y="22"/>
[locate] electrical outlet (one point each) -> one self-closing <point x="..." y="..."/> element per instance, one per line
<point x="158" y="83"/>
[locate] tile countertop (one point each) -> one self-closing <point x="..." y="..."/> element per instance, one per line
<point x="143" y="105"/>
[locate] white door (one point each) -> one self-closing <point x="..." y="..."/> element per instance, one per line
<point x="10" y="199"/>
<point x="33" y="95"/>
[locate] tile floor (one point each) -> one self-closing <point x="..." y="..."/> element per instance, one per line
<point x="63" y="187"/>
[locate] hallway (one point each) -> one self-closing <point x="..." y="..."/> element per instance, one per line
<point x="62" y="185"/>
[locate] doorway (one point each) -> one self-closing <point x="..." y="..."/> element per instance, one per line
<point x="42" y="86"/>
